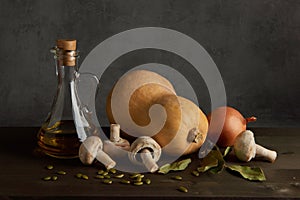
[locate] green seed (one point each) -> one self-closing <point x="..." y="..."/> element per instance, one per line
<point x="61" y="172"/>
<point x="85" y="177"/>
<point x="125" y="181"/>
<point x="195" y="173"/>
<point x="54" y="178"/>
<point x="183" y="189"/>
<point x="138" y="183"/>
<point x="107" y="176"/>
<point x="99" y="176"/>
<point x="100" y="172"/>
<point x="104" y="173"/>
<point x="47" y="178"/>
<point x="112" y="170"/>
<point x="134" y="176"/>
<point x="119" y="176"/>
<point x="79" y="175"/>
<point x="147" y="181"/>
<point x="177" y="178"/>
<point x="139" y="179"/>
<point x="49" y="167"/>
<point x="107" y="181"/>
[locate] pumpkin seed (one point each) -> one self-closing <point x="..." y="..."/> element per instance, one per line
<point x="54" y="178"/>
<point x="49" y="167"/>
<point x="61" y="172"/>
<point x="134" y="176"/>
<point x="119" y="176"/>
<point x="177" y="178"/>
<point x="104" y="173"/>
<point x="99" y="176"/>
<point x="125" y="181"/>
<point x="107" y="181"/>
<point x="47" y="178"/>
<point x="138" y="183"/>
<point x="183" y="189"/>
<point x="107" y="176"/>
<point x="147" y="181"/>
<point x="195" y="173"/>
<point x="139" y="179"/>
<point x="100" y="172"/>
<point x="79" y="175"/>
<point x="85" y="177"/>
<point x="112" y="170"/>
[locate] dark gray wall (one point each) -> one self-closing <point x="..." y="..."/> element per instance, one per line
<point x="255" y="45"/>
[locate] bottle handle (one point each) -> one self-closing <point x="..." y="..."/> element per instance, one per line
<point x="83" y="94"/>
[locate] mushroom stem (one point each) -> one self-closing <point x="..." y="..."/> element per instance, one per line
<point x="266" y="154"/>
<point x="115" y="132"/>
<point x="105" y="159"/>
<point x="148" y="160"/>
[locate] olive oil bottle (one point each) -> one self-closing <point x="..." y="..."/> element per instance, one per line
<point x="58" y="137"/>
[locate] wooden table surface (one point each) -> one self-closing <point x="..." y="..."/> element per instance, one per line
<point x="21" y="172"/>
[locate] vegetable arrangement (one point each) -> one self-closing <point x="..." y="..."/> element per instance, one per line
<point x="185" y="128"/>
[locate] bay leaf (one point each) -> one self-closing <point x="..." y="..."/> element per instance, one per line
<point x="221" y="162"/>
<point x="207" y="163"/>
<point x="175" y="166"/>
<point x="247" y="172"/>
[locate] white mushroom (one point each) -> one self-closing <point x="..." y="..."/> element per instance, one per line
<point x="149" y="151"/>
<point x="245" y="148"/>
<point x="116" y="146"/>
<point x="90" y="149"/>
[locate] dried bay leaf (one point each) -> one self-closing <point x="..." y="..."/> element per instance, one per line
<point x="207" y="163"/>
<point x="175" y="166"/>
<point x="250" y="173"/>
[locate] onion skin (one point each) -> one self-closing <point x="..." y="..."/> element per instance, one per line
<point x="234" y="124"/>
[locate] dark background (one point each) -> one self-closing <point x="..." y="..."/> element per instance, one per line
<point x="255" y="45"/>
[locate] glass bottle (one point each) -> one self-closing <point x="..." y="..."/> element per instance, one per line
<point x="58" y="137"/>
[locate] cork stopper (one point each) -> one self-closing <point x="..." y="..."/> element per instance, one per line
<point x="69" y="51"/>
<point x="66" y="44"/>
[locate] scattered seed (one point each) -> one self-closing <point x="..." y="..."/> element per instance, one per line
<point x="139" y="179"/>
<point x="79" y="175"/>
<point x="183" y="189"/>
<point x="138" y="183"/>
<point x="147" y="181"/>
<point x="195" y="173"/>
<point x="47" y="178"/>
<point x="177" y="178"/>
<point x="134" y="176"/>
<point x="104" y="173"/>
<point x="107" y="181"/>
<point x="85" y="177"/>
<point x="49" y="167"/>
<point x="99" y="176"/>
<point x="100" y="172"/>
<point x="112" y="170"/>
<point x="119" y="176"/>
<point x="107" y="176"/>
<point x="54" y="178"/>
<point x="125" y="181"/>
<point x="61" y="172"/>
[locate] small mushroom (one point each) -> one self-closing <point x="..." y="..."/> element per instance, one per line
<point x="90" y="149"/>
<point x="245" y="148"/>
<point x="149" y="151"/>
<point x="116" y="146"/>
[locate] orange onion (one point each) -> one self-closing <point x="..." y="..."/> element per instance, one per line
<point x="234" y="124"/>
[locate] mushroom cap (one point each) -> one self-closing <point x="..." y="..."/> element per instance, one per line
<point x="144" y="142"/>
<point x="89" y="148"/>
<point x="244" y="146"/>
